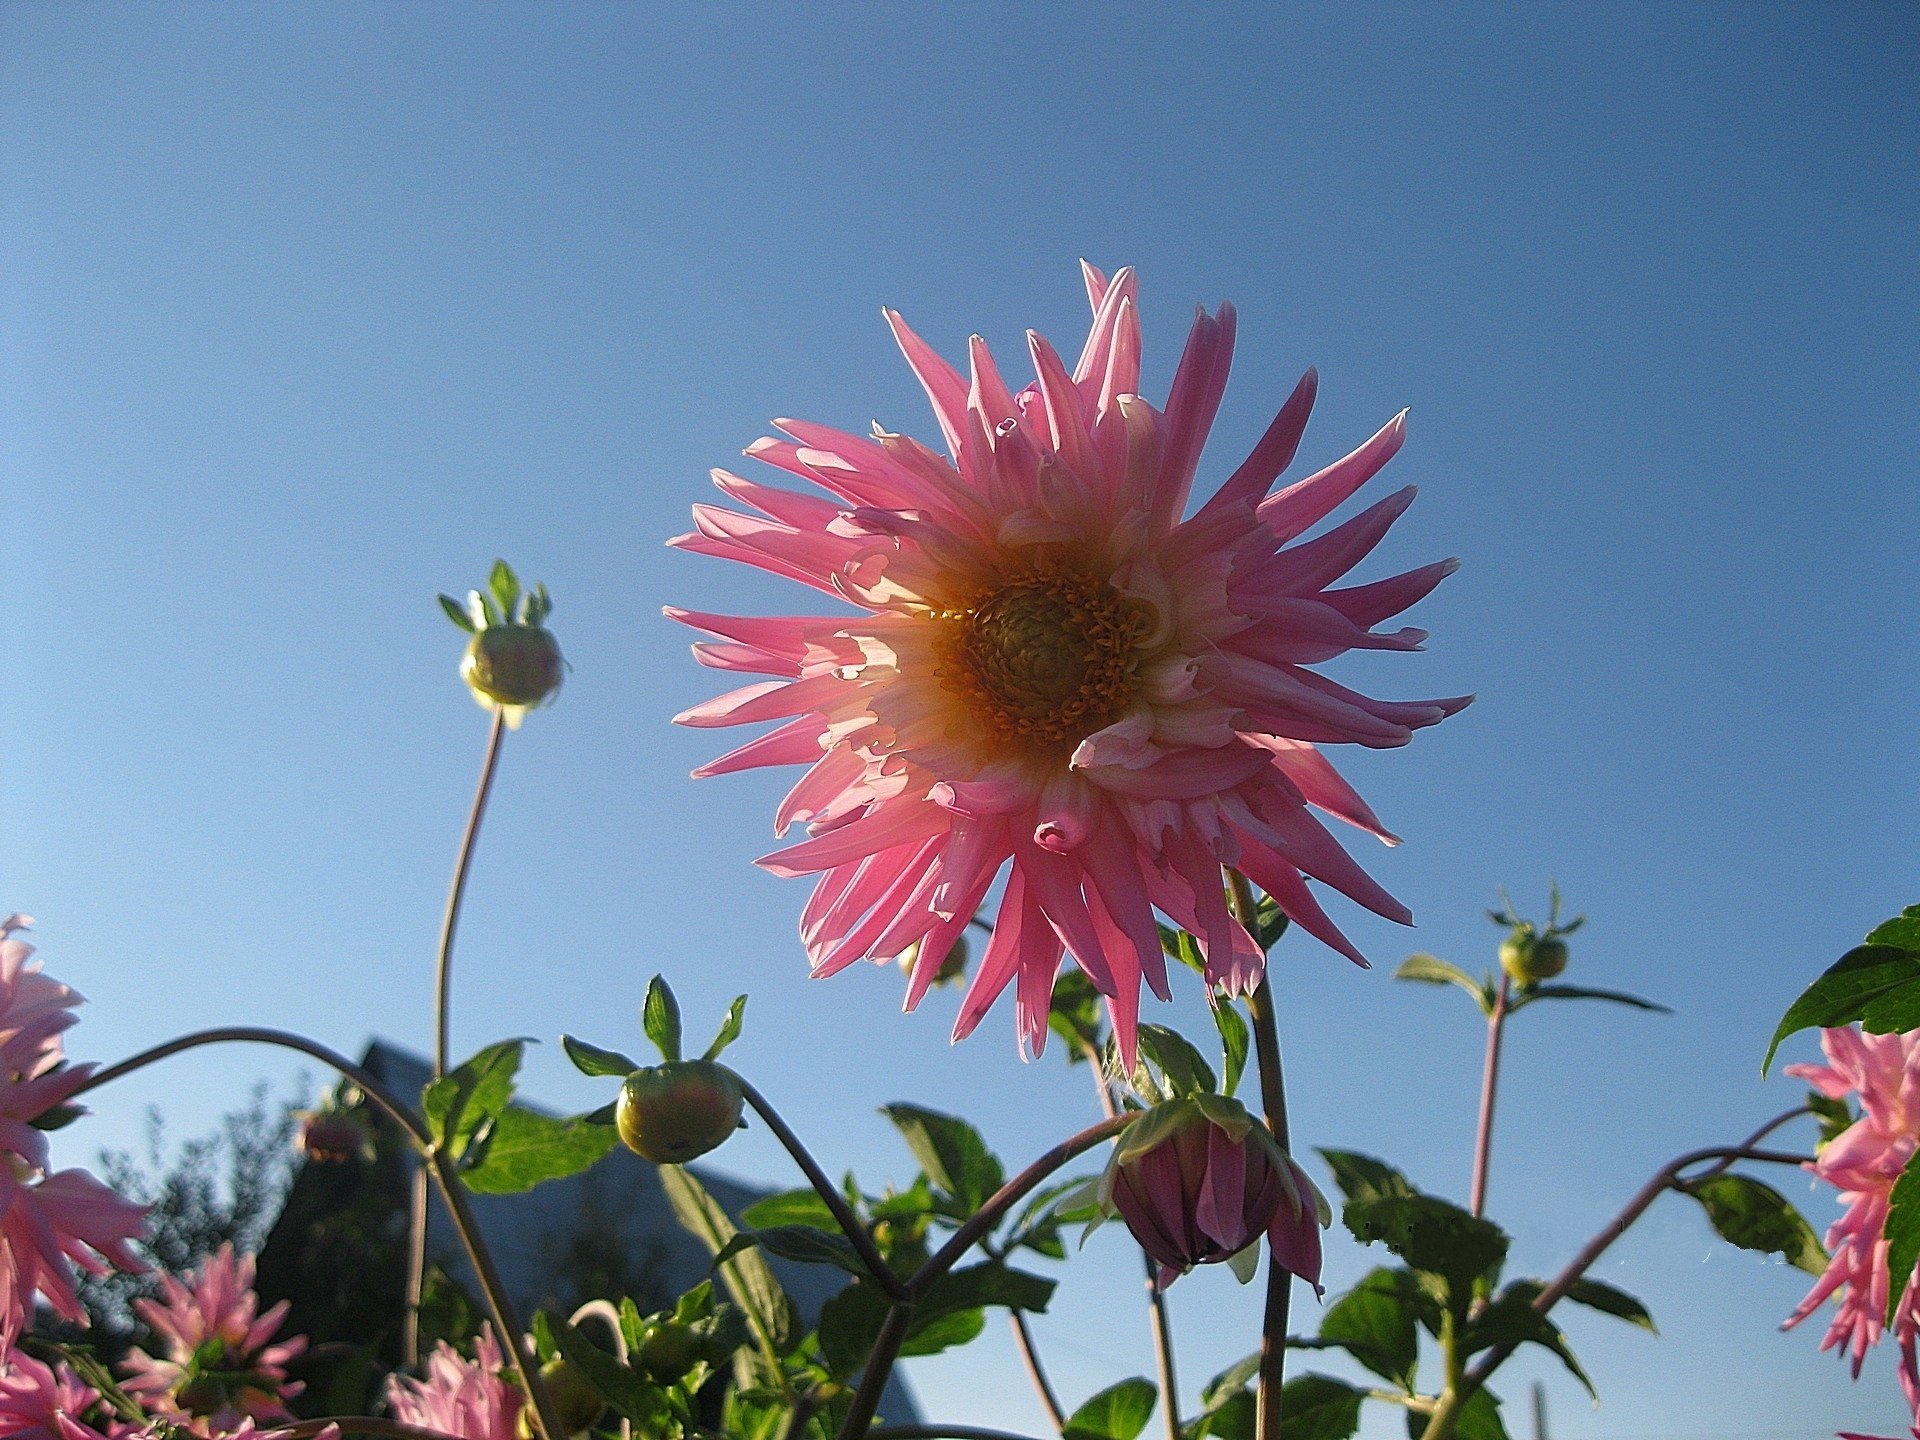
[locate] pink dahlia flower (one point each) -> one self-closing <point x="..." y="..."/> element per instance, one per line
<point x="218" y="1358"/>
<point x="468" y="1398"/>
<point x="38" y="1402"/>
<point x="1862" y="1163"/>
<point x="35" y="1010"/>
<point x="44" y="1224"/>
<point x="1052" y="666"/>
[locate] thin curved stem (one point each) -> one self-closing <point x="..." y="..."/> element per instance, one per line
<point x="499" y="1303"/>
<point x="873" y="1379"/>
<point x="1030" y="1358"/>
<point x="354" y="1425"/>
<point x="1273" y="1099"/>
<point x="450" y="920"/>
<point x="416" y="1265"/>
<point x="1489" y="1086"/>
<point x="1664" y="1179"/>
<point x="857" y="1233"/>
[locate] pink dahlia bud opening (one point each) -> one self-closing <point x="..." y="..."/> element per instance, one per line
<point x="1199" y="1181"/>
<point x="1056" y="674"/>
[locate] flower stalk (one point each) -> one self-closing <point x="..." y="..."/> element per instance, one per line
<point x="1489" y="1084"/>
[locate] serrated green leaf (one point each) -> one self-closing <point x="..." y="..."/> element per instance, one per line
<point x="660" y="1018"/>
<point x="952" y="1153"/>
<point x="1510" y="1319"/>
<point x="1902" y="932"/>
<point x="1235" y="1039"/>
<point x="747" y="1277"/>
<point x="1903" y="1234"/>
<point x="1186" y="1070"/>
<point x="789" y="1207"/>
<point x="592" y="1060"/>
<point x="1479" y="1418"/>
<point x="1361" y="1177"/>
<point x="1757" y="1217"/>
<point x="1235" y="1378"/>
<point x="526" y="1149"/>
<point x="469" y="1098"/>
<point x="1595" y="1295"/>
<point x="457" y="613"/>
<point x="1432" y="970"/>
<point x="1431" y="1235"/>
<point x="1319" y="1407"/>
<point x="1119" y="1412"/>
<point x="1844" y="991"/>
<point x="1376" y="1323"/>
<point x="805" y="1244"/>
<point x="729" y="1028"/>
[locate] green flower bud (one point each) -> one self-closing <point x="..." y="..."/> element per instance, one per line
<point x="1529" y="958"/>
<point x="668" y="1350"/>
<point x="513" y="665"/>
<point x="577" y="1402"/>
<point x="678" y="1111"/>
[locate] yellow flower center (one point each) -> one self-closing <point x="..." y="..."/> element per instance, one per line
<point x="1045" y="659"/>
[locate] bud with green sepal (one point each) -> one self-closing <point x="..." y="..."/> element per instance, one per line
<point x="1532" y="953"/>
<point x="680" y="1109"/>
<point x="512" y="664"/>
<point x="577" y="1401"/>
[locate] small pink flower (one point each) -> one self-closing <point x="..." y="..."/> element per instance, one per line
<point x="1862" y="1163"/>
<point x="1055" y="671"/>
<point x="1199" y="1180"/>
<point x="244" y="1377"/>
<point x="44" y="1225"/>
<point x="42" y="1403"/>
<point x="468" y="1398"/>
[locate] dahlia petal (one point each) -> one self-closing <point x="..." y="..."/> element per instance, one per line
<point x="768" y="700"/>
<point x="801" y="512"/>
<point x="727" y="549"/>
<point x="1096" y="284"/>
<point x="1311" y="850"/>
<point x="1021" y="937"/>
<point x="1281" y="881"/>
<point x="1096" y="356"/>
<point x="1122" y="377"/>
<point x="1316" y="563"/>
<point x="893" y="910"/>
<point x="1219" y="1207"/>
<point x="1054" y="881"/>
<point x="1277" y="695"/>
<point x="744" y="659"/>
<point x="828" y="779"/>
<point x="1368" y="605"/>
<point x="1112" y="864"/>
<point x="1304" y="504"/>
<point x="1066" y="426"/>
<point x="796" y="742"/>
<point x="988" y="397"/>
<point x="1298" y="630"/>
<point x="1270" y="456"/>
<point x="974" y="846"/>
<point x="940" y="938"/>
<point x="1068" y="812"/>
<point x="771" y="543"/>
<point x="944" y="387"/>
<point x="847" y="892"/>
<point x="1191" y="405"/>
<point x="898" y="823"/>
<point x="1323" y="787"/>
<point x="1182" y="775"/>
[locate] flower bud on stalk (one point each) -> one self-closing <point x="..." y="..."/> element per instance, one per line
<point x="1199" y="1180"/>
<point x="512" y="664"/>
<point x="1529" y="958"/>
<point x="577" y="1403"/>
<point x="678" y="1111"/>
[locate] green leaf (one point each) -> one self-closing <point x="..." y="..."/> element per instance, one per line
<point x="1902" y="932"/>
<point x="1432" y="970"/>
<point x="1074" y="1014"/>
<point x="952" y="1153"/>
<point x="592" y="1060"/>
<point x="748" y="1279"/>
<point x="989" y="1283"/>
<point x="1231" y="1380"/>
<point x="660" y="1018"/>
<point x="1843" y="994"/>
<point x="1903" y="1234"/>
<point x="1234" y="1041"/>
<point x="1758" y="1217"/>
<point x="850" y="1323"/>
<point x="1375" y="1322"/>
<point x="1511" y="1319"/>
<point x="447" y="1312"/>
<point x="481" y="610"/>
<point x="1583" y="992"/>
<point x="1361" y="1177"/>
<point x="466" y="1100"/>
<point x="789" y="1207"/>
<point x="633" y="1395"/>
<point x="729" y="1028"/>
<point x="1181" y="946"/>
<point x="806" y="1244"/>
<point x="1431" y="1235"/>
<point x="1119" y="1412"/>
<point x="527" y="1148"/>
<point x="457" y="613"/>
<point x="1479" y="1418"/>
<point x="1186" y="1071"/>
<point x="1836" y="1117"/>
<point x="1595" y="1295"/>
<point x="1319" y="1407"/>
<point x="1270" y="921"/>
<point x="504" y="586"/>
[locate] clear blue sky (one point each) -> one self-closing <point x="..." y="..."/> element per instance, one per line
<point x="307" y="313"/>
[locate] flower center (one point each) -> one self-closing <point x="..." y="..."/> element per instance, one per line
<point x="1048" y="658"/>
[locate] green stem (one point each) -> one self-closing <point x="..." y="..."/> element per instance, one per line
<point x="1030" y="1359"/>
<point x="1489" y="1084"/>
<point x="499" y="1303"/>
<point x="1273" y="1099"/>
<point x="873" y="1379"/>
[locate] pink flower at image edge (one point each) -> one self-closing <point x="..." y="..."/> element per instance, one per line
<point x="1053" y="667"/>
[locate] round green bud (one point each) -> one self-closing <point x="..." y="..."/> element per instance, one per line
<point x="1529" y="958"/>
<point x="512" y="664"/>
<point x="577" y="1403"/>
<point x="668" y="1350"/>
<point x="675" y="1112"/>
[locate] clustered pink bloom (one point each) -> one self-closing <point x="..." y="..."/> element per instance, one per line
<point x="1052" y="666"/>
<point x="468" y="1398"/>
<point x="1862" y="1163"/>
<point x="38" y="1402"/>
<point x="249" y="1370"/>
<point x="46" y="1220"/>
